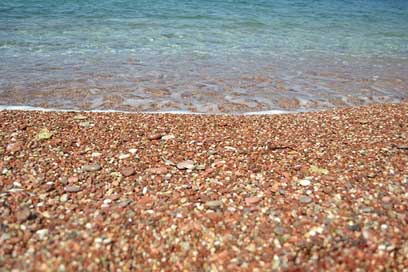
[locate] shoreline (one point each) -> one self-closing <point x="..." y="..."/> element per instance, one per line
<point x="178" y="112"/>
<point x="175" y="112"/>
<point x="92" y="191"/>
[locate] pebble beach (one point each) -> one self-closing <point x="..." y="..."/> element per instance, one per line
<point x="82" y="191"/>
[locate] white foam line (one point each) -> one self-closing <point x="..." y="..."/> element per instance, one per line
<point x="30" y="108"/>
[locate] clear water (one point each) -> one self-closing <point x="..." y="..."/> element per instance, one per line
<point x="203" y="55"/>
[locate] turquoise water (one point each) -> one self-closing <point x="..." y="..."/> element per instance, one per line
<point x="201" y="55"/>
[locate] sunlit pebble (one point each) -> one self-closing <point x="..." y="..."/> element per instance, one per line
<point x="132" y="151"/>
<point x="17" y="184"/>
<point x="123" y="156"/>
<point x="304" y="182"/>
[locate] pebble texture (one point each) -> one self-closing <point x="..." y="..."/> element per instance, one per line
<point x="311" y="191"/>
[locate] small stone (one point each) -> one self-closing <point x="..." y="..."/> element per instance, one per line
<point x="44" y="134"/>
<point x="73" y="179"/>
<point x="72" y="189"/>
<point x="127" y="171"/>
<point x="64" y="198"/>
<point x="230" y="148"/>
<point x="200" y="167"/>
<point x="157" y="170"/>
<point x="318" y="170"/>
<point x="354" y="227"/>
<point x="214" y="204"/>
<point x="91" y="167"/>
<point x="133" y="151"/>
<point x="275" y="187"/>
<point x="305" y="199"/>
<point x="279" y="230"/>
<point x="96" y="154"/>
<point x="124" y="203"/>
<point x="168" y="137"/>
<point x="386" y="199"/>
<point x="42" y="234"/>
<point x="189" y="164"/>
<point x="155" y="136"/>
<point x="13" y="147"/>
<point x="145" y="200"/>
<point x="23" y="214"/>
<point x="304" y="182"/>
<point x="252" y="201"/>
<point x="49" y="186"/>
<point x="80" y="117"/>
<point x="85" y="124"/>
<point x="123" y="156"/>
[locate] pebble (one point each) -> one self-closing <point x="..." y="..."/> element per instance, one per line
<point x="127" y="171"/>
<point x="354" y="227"/>
<point x="386" y="199"/>
<point x="44" y="134"/>
<point x="96" y="154"/>
<point x="73" y="179"/>
<point x="132" y="151"/>
<point x="318" y="170"/>
<point x="155" y="136"/>
<point x="42" y="234"/>
<point x="91" y="167"/>
<point x="80" y="117"/>
<point x="305" y="199"/>
<point x="23" y="214"/>
<point x="189" y="164"/>
<point x="252" y="201"/>
<point x="13" y="147"/>
<point x="64" y="198"/>
<point x="214" y="204"/>
<point x="123" y="156"/>
<point x="304" y="182"/>
<point x="168" y="137"/>
<point x="85" y="124"/>
<point x="72" y="189"/>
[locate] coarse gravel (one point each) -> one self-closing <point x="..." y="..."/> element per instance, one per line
<point x="129" y="192"/>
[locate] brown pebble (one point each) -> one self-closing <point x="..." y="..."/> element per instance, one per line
<point x="13" y="147"/>
<point x="23" y="214"/>
<point x="157" y="170"/>
<point x="73" y="179"/>
<point x="72" y="189"/>
<point x="127" y="171"/>
<point x="386" y="199"/>
<point x="252" y="200"/>
<point x="155" y="136"/>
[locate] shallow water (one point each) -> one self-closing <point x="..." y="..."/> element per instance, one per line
<point x="203" y="56"/>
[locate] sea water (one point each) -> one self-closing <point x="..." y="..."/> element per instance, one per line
<point x="203" y="55"/>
